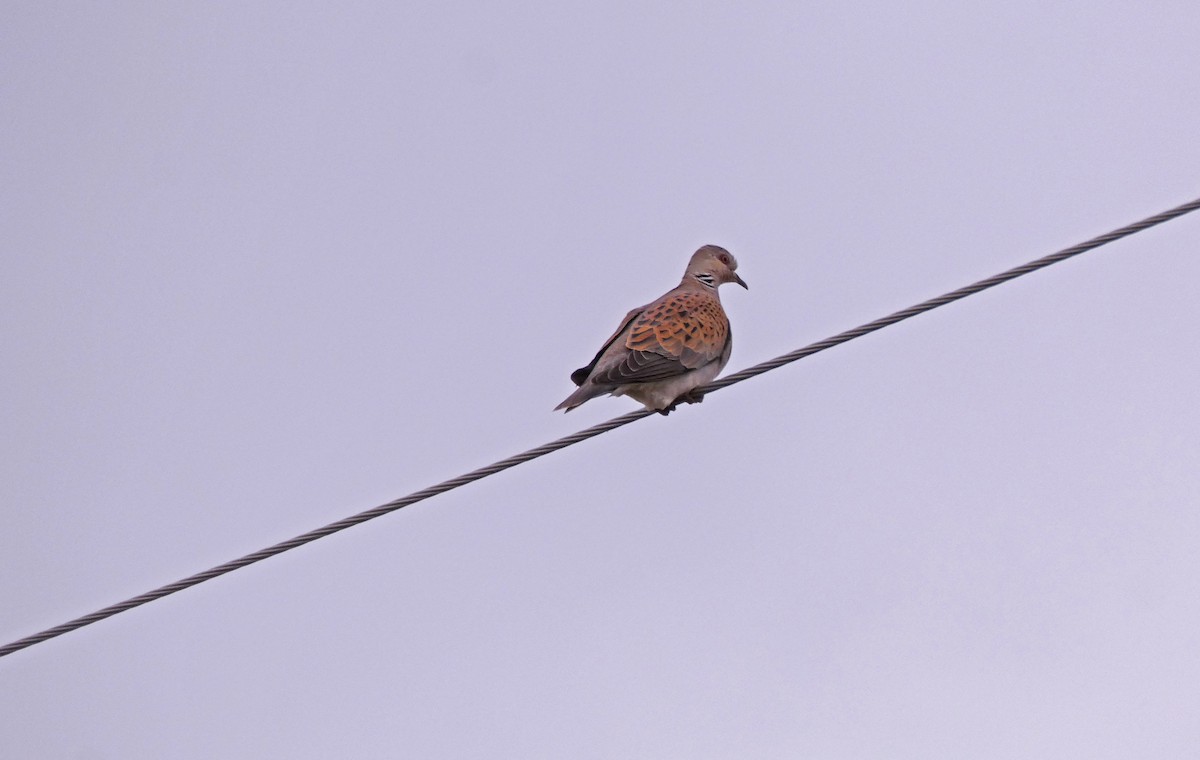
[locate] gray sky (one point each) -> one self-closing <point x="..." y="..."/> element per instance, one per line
<point x="266" y="267"/>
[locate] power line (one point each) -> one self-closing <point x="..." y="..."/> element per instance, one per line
<point x="595" y="430"/>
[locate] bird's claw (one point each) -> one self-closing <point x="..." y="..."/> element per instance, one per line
<point x="691" y="397"/>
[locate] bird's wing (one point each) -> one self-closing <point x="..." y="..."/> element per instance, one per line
<point x="687" y="325"/>
<point x="680" y="332"/>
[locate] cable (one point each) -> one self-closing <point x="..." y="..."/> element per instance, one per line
<point x="593" y="431"/>
<point x="952" y="296"/>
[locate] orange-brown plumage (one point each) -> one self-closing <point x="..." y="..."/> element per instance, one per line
<point x="690" y="326"/>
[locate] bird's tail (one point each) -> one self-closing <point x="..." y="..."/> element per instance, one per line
<point x="585" y="392"/>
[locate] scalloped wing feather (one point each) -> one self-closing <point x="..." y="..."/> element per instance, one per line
<point x="687" y="326"/>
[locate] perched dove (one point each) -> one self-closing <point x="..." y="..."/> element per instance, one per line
<point x="666" y="349"/>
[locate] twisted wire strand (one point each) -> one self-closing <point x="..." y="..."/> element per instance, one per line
<point x="952" y="296"/>
<point x="593" y="431"/>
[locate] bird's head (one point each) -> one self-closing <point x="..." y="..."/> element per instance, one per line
<point x="713" y="265"/>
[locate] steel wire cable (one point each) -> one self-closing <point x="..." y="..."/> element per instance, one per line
<point x="595" y="430"/>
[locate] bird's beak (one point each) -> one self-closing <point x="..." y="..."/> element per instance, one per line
<point x="739" y="280"/>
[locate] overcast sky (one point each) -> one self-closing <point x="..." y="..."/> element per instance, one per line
<point x="267" y="265"/>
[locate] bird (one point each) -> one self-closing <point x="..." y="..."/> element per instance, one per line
<point x="664" y="351"/>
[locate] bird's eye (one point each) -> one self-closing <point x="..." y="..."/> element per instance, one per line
<point x="724" y="259"/>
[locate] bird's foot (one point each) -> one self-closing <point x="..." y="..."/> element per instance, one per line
<point x="691" y="397"/>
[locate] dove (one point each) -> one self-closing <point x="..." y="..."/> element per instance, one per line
<point x="665" y="350"/>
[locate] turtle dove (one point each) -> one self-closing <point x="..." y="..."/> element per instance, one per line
<point x="665" y="350"/>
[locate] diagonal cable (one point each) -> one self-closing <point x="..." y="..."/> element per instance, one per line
<point x="595" y="430"/>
